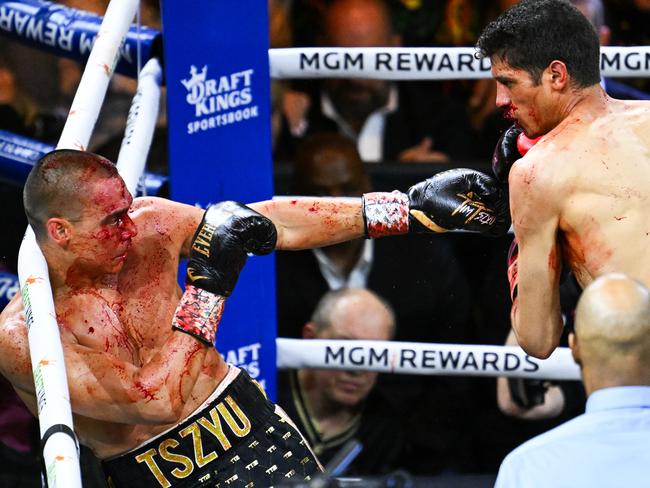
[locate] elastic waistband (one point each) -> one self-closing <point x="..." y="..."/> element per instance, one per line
<point x="201" y="439"/>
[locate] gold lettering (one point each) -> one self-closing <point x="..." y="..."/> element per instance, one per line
<point x="287" y="455"/>
<point x="147" y="457"/>
<point x="201" y="246"/>
<point x="163" y="449"/>
<point x="216" y="429"/>
<point x="200" y="459"/>
<point x="206" y="231"/>
<point x="239" y="431"/>
<point x="202" y="240"/>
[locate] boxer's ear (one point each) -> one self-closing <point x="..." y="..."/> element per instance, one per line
<point x="558" y="75"/>
<point x="309" y="330"/>
<point x="59" y="230"/>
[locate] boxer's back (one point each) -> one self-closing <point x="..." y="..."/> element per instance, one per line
<point x="602" y="189"/>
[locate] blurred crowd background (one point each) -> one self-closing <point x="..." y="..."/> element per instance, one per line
<point x="343" y="138"/>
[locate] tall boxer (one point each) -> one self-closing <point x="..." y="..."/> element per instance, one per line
<point x="579" y="195"/>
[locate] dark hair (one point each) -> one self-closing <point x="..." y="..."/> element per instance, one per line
<point x="56" y="184"/>
<point x="533" y="33"/>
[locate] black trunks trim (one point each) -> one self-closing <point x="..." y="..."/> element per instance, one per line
<point x="236" y="440"/>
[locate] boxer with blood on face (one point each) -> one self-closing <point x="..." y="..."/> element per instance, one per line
<point x="579" y="196"/>
<point x="150" y="394"/>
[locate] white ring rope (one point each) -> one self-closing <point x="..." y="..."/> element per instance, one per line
<point x="424" y="359"/>
<point x="424" y="63"/>
<point x="60" y="453"/>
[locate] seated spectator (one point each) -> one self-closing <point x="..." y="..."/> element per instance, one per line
<point x="328" y="165"/>
<point x="411" y="121"/>
<point x="607" y="445"/>
<point x="333" y="406"/>
<point x="418" y="275"/>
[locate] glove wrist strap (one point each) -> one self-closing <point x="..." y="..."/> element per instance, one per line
<point x="199" y="314"/>
<point x="385" y="214"/>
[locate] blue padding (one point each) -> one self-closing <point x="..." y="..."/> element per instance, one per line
<point x="70" y="33"/>
<point x="18" y="154"/>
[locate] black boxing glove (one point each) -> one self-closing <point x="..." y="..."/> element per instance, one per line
<point x="455" y="199"/>
<point x="506" y="152"/>
<point x="227" y="233"/>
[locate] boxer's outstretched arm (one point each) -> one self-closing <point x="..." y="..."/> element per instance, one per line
<point x="455" y="199"/>
<point x="536" y="316"/>
<point x="306" y="222"/>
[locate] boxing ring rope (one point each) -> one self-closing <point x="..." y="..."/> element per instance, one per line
<point x="424" y="63"/>
<point x="424" y="359"/>
<point x="60" y="450"/>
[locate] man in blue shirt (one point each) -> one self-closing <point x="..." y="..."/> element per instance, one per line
<point x="607" y="446"/>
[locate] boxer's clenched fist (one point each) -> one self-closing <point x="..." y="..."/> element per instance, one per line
<point x="459" y="199"/>
<point x="455" y="199"/>
<point x="227" y="233"/>
<point x="506" y="153"/>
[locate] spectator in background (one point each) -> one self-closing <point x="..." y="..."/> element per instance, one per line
<point x="608" y="444"/>
<point x="328" y="164"/>
<point x="412" y="121"/>
<point x="418" y="275"/>
<point x="334" y="406"/>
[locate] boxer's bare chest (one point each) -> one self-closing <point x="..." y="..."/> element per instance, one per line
<point x="129" y="316"/>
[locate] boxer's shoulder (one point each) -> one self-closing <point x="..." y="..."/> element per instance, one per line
<point x="15" y="362"/>
<point x="162" y="217"/>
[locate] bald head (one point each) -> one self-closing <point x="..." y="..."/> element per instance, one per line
<point x="359" y="23"/>
<point x="353" y="313"/>
<point x="58" y="184"/>
<point x="612" y="330"/>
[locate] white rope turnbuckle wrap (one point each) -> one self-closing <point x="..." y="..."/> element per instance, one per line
<point x="60" y="450"/>
<point x="424" y="359"/>
<point x="140" y="126"/>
